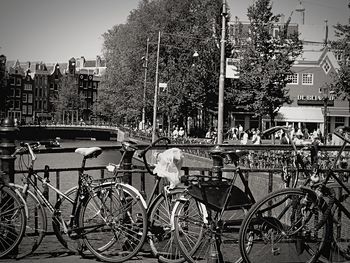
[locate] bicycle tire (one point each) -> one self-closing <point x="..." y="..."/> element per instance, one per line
<point x="119" y="220"/>
<point x="161" y="237"/>
<point x="194" y="233"/>
<point x="340" y="242"/>
<point x="36" y="225"/>
<point x="272" y="230"/>
<point x="63" y="209"/>
<point x="12" y="221"/>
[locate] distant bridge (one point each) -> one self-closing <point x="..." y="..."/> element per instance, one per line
<point x="39" y="132"/>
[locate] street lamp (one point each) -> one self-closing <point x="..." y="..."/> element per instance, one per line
<point x="145" y="65"/>
<point x="326" y="93"/>
<point x="222" y="76"/>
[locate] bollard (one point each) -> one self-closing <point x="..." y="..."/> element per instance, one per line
<point x="128" y="152"/>
<point x="218" y="161"/>
<point x="8" y="133"/>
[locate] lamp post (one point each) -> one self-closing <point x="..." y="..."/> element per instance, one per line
<point x="156" y="93"/>
<point x="222" y="76"/>
<point x="145" y="65"/>
<point x="326" y="93"/>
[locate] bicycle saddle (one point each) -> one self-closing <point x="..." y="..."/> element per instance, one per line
<point x="91" y="152"/>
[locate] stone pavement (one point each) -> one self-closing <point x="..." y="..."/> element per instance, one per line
<point x="51" y="251"/>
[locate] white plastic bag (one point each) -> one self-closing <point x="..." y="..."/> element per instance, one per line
<point x="169" y="165"/>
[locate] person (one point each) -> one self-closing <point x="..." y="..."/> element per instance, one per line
<point x="284" y="138"/>
<point x="176" y="133"/>
<point x="181" y="132"/>
<point x="336" y="140"/>
<point x="298" y="140"/>
<point x="244" y="138"/>
<point x="257" y="138"/>
<point x="240" y="132"/>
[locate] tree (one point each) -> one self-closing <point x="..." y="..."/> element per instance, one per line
<point x="186" y="26"/>
<point x="341" y="46"/>
<point x="68" y="98"/>
<point x="266" y="62"/>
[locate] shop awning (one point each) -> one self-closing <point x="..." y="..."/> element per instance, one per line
<point x="300" y="114"/>
<point x="338" y="112"/>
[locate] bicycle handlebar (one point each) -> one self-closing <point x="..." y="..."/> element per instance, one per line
<point x="143" y="153"/>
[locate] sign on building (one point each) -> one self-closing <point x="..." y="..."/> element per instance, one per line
<point x="232" y="68"/>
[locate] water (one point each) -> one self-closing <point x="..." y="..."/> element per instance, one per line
<point x="70" y="160"/>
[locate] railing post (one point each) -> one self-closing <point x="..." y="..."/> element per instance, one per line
<point x="218" y="162"/>
<point x="127" y="165"/>
<point x="8" y="133"/>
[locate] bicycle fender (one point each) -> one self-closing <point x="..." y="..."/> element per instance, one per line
<point x="130" y="188"/>
<point x="21" y="197"/>
<point x="182" y="199"/>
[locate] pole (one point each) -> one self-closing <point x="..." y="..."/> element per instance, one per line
<point x="156" y="94"/>
<point x="144" y="88"/>
<point x="325" y="120"/>
<point x="222" y="76"/>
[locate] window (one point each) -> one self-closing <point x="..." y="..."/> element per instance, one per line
<point x="18" y="81"/>
<point x="24" y="97"/>
<point x="30" y="98"/>
<point x="94" y="85"/>
<point x="27" y="86"/>
<point x="24" y="109"/>
<point x="12" y="81"/>
<point x="339" y="121"/>
<point x="17" y="105"/>
<point x="293" y="79"/>
<point x="18" y="93"/>
<point x="326" y="67"/>
<point x="30" y="110"/>
<point x="52" y="86"/>
<point x="307" y="79"/>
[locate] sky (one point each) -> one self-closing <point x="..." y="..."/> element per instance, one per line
<point x="56" y="30"/>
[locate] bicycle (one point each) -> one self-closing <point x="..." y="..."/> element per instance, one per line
<point x="67" y="212"/>
<point x="150" y="220"/>
<point x="206" y="219"/>
<point x="13" y="215"/>
<point x="306" y="224"/>
<point x="215" y="211"/>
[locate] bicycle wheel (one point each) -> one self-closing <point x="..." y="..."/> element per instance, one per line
<point x="339" y="251"/>
<point x="282" y="228"/>
<point x="113" y="223"/>
<point x="12" y="221"/>
<point x="196" y="227"/>
<point x="161" y="237"/>
<point x="63" y="210"/>
<point x="36" y="226"/>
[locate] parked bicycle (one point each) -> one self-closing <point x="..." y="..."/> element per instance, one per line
<point x="141" y="220"/>
<point x="207" y="220"/>
<point x="66" y="225"/>
<point x="305" y="224"/>
<point x="12" y="219"/>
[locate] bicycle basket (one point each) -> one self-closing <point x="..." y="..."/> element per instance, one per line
<point x="213" y="194"/>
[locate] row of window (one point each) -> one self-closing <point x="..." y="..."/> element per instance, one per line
<point x="27" y="109"/>
<point x="306" y="79"/>
<point x="27" y="98"/>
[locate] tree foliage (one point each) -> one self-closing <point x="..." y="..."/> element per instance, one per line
<point x="266" y="62"/>
<point x="341" y="84"/>
<point x="68" y="96"/>
<point x="186" y="27"/>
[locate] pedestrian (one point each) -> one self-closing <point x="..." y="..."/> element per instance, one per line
<point x="240" y="132"/>
<point x="284" y="138"/>
<point x="176" y="133"/>
<point x="257" y="138"/>
<point x="181" y="132"/>
<point x="244" y="137"/>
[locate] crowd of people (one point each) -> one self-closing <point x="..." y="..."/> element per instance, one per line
<point x="244" y="136"/>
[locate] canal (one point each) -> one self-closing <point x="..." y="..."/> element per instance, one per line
<point x="70" y="160"/>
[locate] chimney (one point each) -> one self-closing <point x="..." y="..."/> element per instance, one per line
<point x="98" y="61"/>
<point x="82" y="61"/>
<point x="326" y="33"/>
